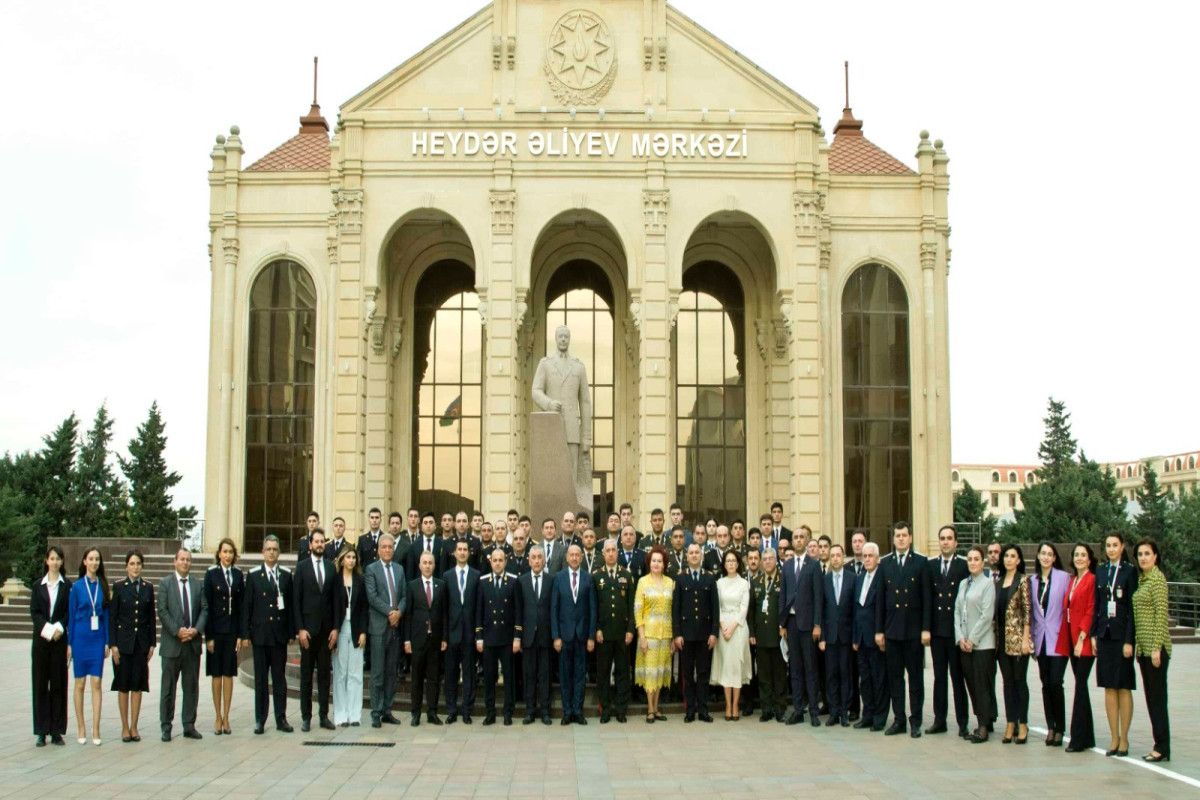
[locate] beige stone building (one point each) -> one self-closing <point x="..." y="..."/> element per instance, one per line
<point x="761" y="307"/>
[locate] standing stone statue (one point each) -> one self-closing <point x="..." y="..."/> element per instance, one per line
<point x="560" y="384"/>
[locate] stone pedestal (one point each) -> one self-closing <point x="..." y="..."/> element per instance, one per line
<point x="551" y="485"/>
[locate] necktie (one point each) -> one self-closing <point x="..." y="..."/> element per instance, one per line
<point x="837" y="586"/>
<point x="428" y="593"/>
<point x="945" y="566"/>
<point x="387" y="570"/>
<point x="862" y="598"/>
<point x="462" y="581"/>
<point x="187" y="603"/>
<point x="320" y="575"/>
<point x="574" y="584"/>
<point x="901" y="559"/>
<point x="537" y="586"/>
<point x="227" y="581"/>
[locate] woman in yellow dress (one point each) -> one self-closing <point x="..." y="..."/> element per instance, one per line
<point x="652" y="615"/>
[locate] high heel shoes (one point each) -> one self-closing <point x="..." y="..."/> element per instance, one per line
<point x="1009" y="732"/>
<point x="1155" y="758"/>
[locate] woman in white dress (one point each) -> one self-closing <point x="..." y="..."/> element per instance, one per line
<point x="731" y="658"/>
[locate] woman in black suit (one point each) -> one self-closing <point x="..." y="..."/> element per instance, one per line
<point x="50" y="611"/>
<point x="131" y="630"/>
<point x="1112" y="640"/>
<point x="223" y="585"/>
<point x="350" y="612"/>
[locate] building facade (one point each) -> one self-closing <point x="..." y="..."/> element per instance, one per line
<point x="761" y="309"/>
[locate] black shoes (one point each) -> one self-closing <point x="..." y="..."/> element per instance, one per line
<point x="831" y="722"/>
<point x="416" y="720"/>
<point x="55" y="739"/>
<point x="390" y="719"/>
<point x="816" y="721"/>
<point x="795" y="718"/>
<point x="621" y="718"/>
<point x="305" y="726"/>
<point x="689" y="716"/>
<point x="433" y="719"/>
<point x="546" y="720"/>
<point x="766" y="716"/>
<point x="915" y="732"/>
<point x="191" y="733"/>
<point x="508" y="719"/>
<point x="528" y="720"/>
<point x="604" y="718"/>
<point x="166" y="737"/>
<point x="452" y="718"/>
<point x="862" y="724"/>
<point x="327" y="724"/>
<point x="1151" y="758"/>
<point x="283" y="726"/>
<point x="259" y="730"/>
<point x="490" y="719"/>
<point x="582" y="720"/>
<point x="1077" y="748"/>
<point x="894" y="729"/>
<point x="566" y="720"/>
<point x="375" y="723"/>
<point x="41" y="741"/>
<point x="938" y="727"/>
<point x="466" y="718"/>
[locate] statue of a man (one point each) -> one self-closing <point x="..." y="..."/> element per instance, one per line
<point x="560" y="384"/>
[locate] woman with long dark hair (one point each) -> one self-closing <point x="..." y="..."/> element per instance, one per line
<point x="1153" y="644"/>
<point x="50" y="609"/>
<point x="223" y="584"/>
<point x="1049" y="634"/>
<point x="87" y="636"/>
<point x="1080" y="603"/>
<point x="133" y="636"/>
<point x="350" y="614"/>
<point x="1112" y="639"/>
<point x="1012" y="621"/>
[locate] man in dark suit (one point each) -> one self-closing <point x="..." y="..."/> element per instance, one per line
<point x="696" y="620"/>
<point x="764" y="628"/>
<point x="182" y="610"/>
<point x="800" y="616"/>
<point x="836" y="632"/>
<point x="534" y="641"/>
<point x="871" y="669"/>
<point x="304" y="546"/>
<point x="902" y="621"/>
<point x="779" y="530"/>
<point x="368" y="540"/>
<point x="334" y="545"/>
<point x="945" y="573"/>
<point x="573" y="627"/>
<point x="430" y="542"/>
<point x="425" y="637"/>
<point x="614" y="633"/>
<point x="312" y="607"/>
<point x="495" y="626"/>
<point x="553" y="547"/>
<point x="854" y="564"/>
<point x="630" y="556"/>
<point x="462" y="587"/>
<point x="267" y="627"/>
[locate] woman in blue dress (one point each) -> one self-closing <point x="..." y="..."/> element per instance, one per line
<point x="87" y="636"/>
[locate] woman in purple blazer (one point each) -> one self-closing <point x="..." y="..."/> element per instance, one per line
<point x="1047" y="588"/>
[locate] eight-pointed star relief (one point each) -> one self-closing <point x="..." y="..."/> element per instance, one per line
<point x="580" y="58"/>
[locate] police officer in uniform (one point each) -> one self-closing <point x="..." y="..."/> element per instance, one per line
<point x="696" y="621"/>
<point x="133" y="635"/>
<point x="946" y="573"/>
<point x="763" y="626"/>
<point x="902" y="622"/>
<point x="614" y="632"/>
<point x="267" y="627"/>
<point x="495" y="624"/>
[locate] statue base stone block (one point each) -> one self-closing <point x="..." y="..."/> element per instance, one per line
<point x="552" y="490"/>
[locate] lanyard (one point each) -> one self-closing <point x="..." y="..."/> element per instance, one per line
<point x="965" y="599"/>
<point x="1045" y="588"/>
<point x="1114" y="571"/>
<point x="87" y="587"/>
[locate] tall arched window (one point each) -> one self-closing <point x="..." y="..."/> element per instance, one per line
<point x="710" y="394"/>
<point x="448" y="387"/>
<point x="280" y="377"/>
<point x="876" y="427"/>
<point x="580" y="297"/>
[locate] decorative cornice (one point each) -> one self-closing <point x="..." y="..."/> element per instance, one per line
<point x="230" y="248"/>
<point x="348" y="203"/>
<point x="656" y="203"/>
<point x="928" y="255"/>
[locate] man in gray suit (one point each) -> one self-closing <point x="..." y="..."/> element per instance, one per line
<point x="386" y="598"/>
<point x="182" y="610"/>
<point x="560" y="384"/>
<point x="555" y="549"/>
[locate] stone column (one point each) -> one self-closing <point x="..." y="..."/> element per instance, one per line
<point x="654" y="306"/>
<point x="230" y="248"/>
<point x="800" y="309"/>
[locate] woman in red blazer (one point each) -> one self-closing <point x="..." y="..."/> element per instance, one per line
<point x="1079" y="604"/>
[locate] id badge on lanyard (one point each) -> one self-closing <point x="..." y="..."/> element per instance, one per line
<point x="92" y="599"/>
<point x="1112" y="603"/>
<point x="766" y="595"/>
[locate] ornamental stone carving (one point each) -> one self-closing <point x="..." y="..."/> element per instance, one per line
<point x="762" y="336"/>
<point x="504" y="202"/>
<point x="397" y="336"/>
<point x="780" y="329"/>
<point x="230" y="248"/>
<point x="375" y="333"/>
<point x="657" y="203"/>
<point x="928" y="255"/>
<point x="581" y="61"/>
<point x="348" y="203"/>
<point x="807" y="208"/>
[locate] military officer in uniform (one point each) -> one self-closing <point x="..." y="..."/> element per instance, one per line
<point x="945" y="574"/>
<point x="696" y="621"/>
<point x="902" y="621"/>
<point x="495" y="625"/>
<point x="614" y="633"/>
<point x="763" y="626"/>
<point x="676" y="554"/>
<point x="560" y="384"/>
<point x="267" y="627"/>
<point x="133" y="636"/>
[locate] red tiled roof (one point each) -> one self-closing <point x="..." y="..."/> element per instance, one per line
<point x="304" y="151"/>
<point x="857" y="155"/>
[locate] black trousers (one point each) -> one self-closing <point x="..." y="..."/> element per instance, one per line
<point x="1083" y="732"/>
<point x="872" y="673"/>
<point x="499" y="656"/>
<point x="802" y="668"/>
<point x="612" y="657"/>
<point x="750" y="693"/>
<point x="269" y="661"/>
<point x="536" y="664"/>
<point x="1154" y="684"/>
<point x="426" y="669"/>
<point x="49" y="686"/>
<point x="696" y="663"/>
<point x="772" y="678"/>
<point x="837" y="678"/>
<point x="855" y="703"/>
<point x="1052" y="670"/>
<point x="183" y="669"/>
<point x="316" y="656"/>
<point x="979" y="673"/>
<point x="904" y="656"/>
<point x="1013" y="671"/>
<point x="822" y="672"/>
<point x="460" y="660"/>
<point x="946" y="660"/>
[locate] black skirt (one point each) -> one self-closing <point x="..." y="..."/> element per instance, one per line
<point x="1113" y="670"/>
<point x="222" y="661"/>
<point x="132" y="674"/>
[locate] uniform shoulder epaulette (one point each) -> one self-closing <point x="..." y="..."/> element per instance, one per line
<point x="256" y="569"/>
<point x="282" y="568"/>
<point x="214" y="566"/>
<point x="960" y="558"/>
<point x="512" y="575"/>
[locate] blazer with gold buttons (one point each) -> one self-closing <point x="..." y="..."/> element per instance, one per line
<point x="904" y="603"/>
<point x="131" y="618"/>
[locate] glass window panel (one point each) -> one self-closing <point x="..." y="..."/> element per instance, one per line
<point x="852" y="352"/>
<point x="256" y="430"/>
<point x="470" y="430"/>
<point x="304" y="399"/>
<point x="735" y="402"/>
<point x="897" y="297"/>
<point x="472" y="402"/>
<point x="709" y="433"/>
<point x="685" y="401"/>
<point x="710" y="351"/>
<point x="279" y="431"/>
<point x="685" y="326"/>
<point x="687" y="301"/>
<point x="445" y="468"/>
<point x="853" y="404"/>
<point x="877" y="434"/>
<point x="602" y="431"/>
<point x="684" y="431"/>
<point x="472" y="355"/>
<point x="469" y="476"/>
<point x="602" y="459"/>
<point x="602" y="401"/>
<point x="425" y="405"/>
<point x="304" y="430"/>
<point x="879" y="403"/>
<point x="256" y="459"/>
<point x="425" y="429"/>
<point x="444" y="401"/>
<point x="280" y="399"/>
<point x="852" y="433"/>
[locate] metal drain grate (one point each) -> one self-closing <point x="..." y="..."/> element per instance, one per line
<point x="349" y="744"/>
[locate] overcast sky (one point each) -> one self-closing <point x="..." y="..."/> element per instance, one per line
<point x="1069" y="130"/>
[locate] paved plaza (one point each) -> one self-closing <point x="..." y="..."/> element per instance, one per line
<point x="727" y="760"/>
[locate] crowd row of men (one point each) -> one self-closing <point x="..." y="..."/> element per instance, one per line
<point x="841" y="631"/>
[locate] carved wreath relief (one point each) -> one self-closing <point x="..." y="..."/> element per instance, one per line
<point x="581" y="60"/>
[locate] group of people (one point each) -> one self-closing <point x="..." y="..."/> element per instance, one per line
<point x="764" y="612"/>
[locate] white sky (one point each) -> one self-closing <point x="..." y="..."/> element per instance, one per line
<point x="1069" y="126"/>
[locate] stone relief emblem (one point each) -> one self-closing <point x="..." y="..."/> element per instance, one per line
<point x="581" y="60"/>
